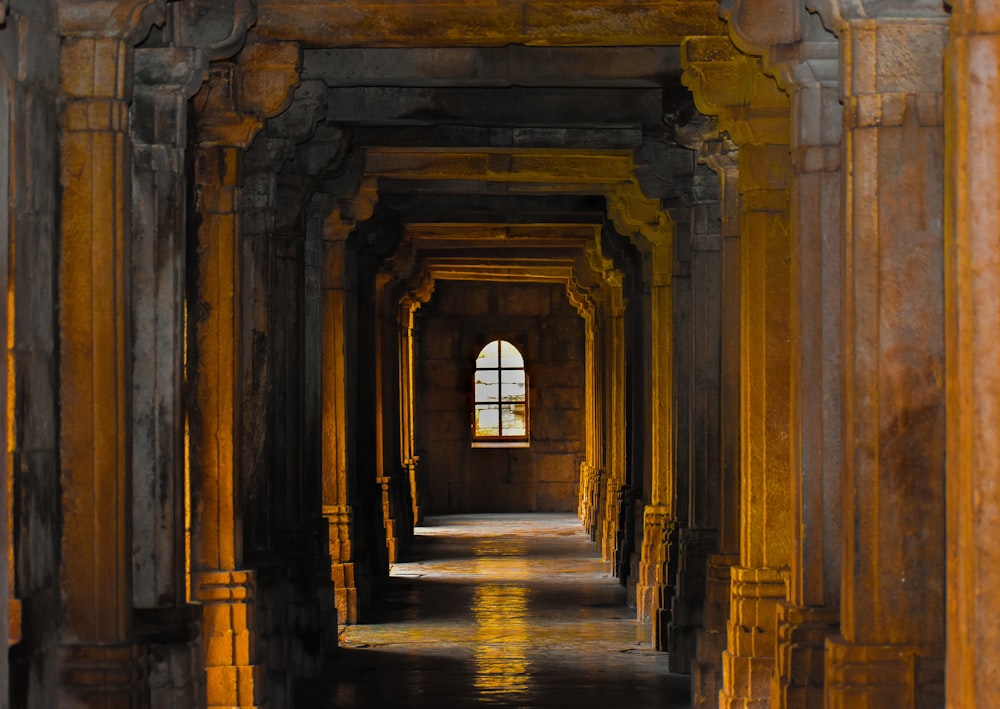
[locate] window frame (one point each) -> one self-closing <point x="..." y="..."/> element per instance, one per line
<point x="500" y="441"/>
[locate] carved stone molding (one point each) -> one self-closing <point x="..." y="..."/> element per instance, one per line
<point x="837" y="14"/>
<point x="128" y="20"/>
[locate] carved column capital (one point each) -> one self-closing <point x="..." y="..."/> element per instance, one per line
<point x="348" y="211"/>
<point x="179" y="70"/>
<point x="732" y="86"/>
<point x="268" y="75"/>
<point x="219" y="120"/>
<point x="639" y="217"/>
<point x="238" y="96"/>
<point x="811" y="61"/>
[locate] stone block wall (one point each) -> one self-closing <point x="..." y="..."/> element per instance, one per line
<point x="538" y="319"/>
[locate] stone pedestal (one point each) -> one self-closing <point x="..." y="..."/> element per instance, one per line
<point x="710" y="644"/>
<point x="687" y="609"/>
<point x="799" y="673"/>
<point x="233" y="678"/>
<point x="748" y="662"/>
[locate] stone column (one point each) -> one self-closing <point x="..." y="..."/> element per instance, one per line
<point x="339" y="313"/>
<point x="722" y="156"/>
<point x="411" y="460"/>
<point x="892" y="608"/>
<point x="164" y="81"/>
<point x="698" y="537"/>
<point x="972" y="265"/>
<point x="755" y="113"/>
<point x="652" y="231"/>
<point x="227" y="120"/>
<point x="101" y="663"/>
<point x="613" y="489"/>
<point x="808" y="69"/>
<point x="387" y="446"/>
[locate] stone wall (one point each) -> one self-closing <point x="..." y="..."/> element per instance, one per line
<point x="460" y="318"/>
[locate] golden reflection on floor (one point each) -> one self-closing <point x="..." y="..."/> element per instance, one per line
<point x="502" y="639"/>
<point x="499" y="611"/>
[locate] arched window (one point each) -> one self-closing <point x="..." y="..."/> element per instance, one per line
<point x="500" y="411"/>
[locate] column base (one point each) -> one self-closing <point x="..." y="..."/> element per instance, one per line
<point x="875" y="676"/>
<point x="802" y="633"/>
<point x="173" y="636"/>
<point x="233" y="675"/>
<point x="653" y="587"/>
<point x="748" y="662"/>
<point x="686" y="617"/>
<point x="103" y="676"/>
<point x="706" y="672"/>
<point x="706" y="677"/>
<point x="345" y="592"/>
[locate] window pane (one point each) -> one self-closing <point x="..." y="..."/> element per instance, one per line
<point x="509" y="356"/>
<point x="489" y="356"/>
<point x="487" y="420"/>
<point x="512" y="382"/>
<point x="514" y="420"/>
<point x="487" y="385"/>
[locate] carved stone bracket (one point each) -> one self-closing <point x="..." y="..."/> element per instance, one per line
<point x="733" y="86"/>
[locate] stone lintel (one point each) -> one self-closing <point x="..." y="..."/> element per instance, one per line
<point x="452" y="23"/>
<point x="509" y="65"/>
<point x="566" y="166"/>
<point x="129" y="20"/>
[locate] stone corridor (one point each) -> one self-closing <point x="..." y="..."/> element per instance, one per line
<point x="505" y="610"/>
<point x="288" y="279"/>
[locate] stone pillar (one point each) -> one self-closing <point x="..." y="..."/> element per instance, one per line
<point x="972" y="92"/>
<point x="102" y="665"/>
<point x="755" y="113"/>
<point x="411" y="460"/>
<point x="808" y="69"/>
<point x="389" y="467"/>
<point x="652" y="231"/>
<point x="698" y="537"/>
<point x="227" y="120"/>
<point x="722" y="156"/>
<point x="613" y="489"/>
<point x="339" y="316"/>
<point x="164" y="81"/>
<point x="892" y="608"/>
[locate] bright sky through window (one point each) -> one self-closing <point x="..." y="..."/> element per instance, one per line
<point x="501" y="406"/>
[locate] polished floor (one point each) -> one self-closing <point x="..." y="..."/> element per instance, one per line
<point x="504" y="611"/>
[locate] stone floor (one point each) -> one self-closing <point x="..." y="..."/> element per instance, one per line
<point x="499" y="610"/>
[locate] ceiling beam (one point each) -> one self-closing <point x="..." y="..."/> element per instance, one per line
<point x="487" y="23"/>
